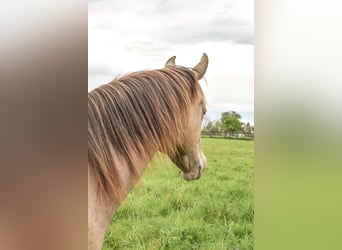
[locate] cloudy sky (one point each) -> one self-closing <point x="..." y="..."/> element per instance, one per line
<point x="132" y="35"/>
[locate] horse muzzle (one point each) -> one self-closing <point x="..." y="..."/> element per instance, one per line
<point x="194" y="175"/>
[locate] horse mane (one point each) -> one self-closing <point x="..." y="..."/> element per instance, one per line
<point x="132" y="117"/>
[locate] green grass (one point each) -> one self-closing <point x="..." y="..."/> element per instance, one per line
<point x="215" y="212"/>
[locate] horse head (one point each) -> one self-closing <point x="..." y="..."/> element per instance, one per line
<point x="188" y="154"/>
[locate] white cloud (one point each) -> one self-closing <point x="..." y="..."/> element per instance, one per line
<point x="126" y="36"/>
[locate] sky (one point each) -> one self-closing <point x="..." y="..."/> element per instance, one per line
<point x="128" y="36"/>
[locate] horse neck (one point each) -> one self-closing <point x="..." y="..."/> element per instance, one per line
<point x="100" y="214"/>
<point x="99" y="217"/>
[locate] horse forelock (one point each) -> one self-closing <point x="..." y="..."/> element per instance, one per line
<point x="132" y="117"/>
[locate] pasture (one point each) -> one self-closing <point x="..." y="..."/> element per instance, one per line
<point x="164" y="211"/>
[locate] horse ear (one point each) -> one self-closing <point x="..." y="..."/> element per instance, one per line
<point x="171" y="62"/>
<point x="201" y="67"/>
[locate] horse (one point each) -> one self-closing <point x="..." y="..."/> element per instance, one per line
<point x="129" y="120"/>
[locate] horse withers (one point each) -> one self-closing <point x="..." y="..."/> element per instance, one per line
<point x="129" y="120"/>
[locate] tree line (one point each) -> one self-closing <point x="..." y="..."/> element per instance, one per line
<point x="229" y="125"/>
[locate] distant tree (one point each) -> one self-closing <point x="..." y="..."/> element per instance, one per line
<point x="207" y="129"/>
<point x="248" y="130"/>
<point x="216" y="129"/>
<point x="212" y="128"/>
<point x="206" y="120"/>
<point x="230" y="123"/>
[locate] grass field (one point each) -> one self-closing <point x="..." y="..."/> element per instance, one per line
<point x="215" y="212"/>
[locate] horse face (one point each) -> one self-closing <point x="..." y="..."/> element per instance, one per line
<point x="189" y="156"/>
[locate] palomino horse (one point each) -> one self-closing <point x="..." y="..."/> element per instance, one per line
<point x="129" y="120"/>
